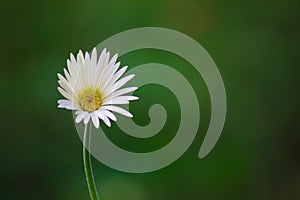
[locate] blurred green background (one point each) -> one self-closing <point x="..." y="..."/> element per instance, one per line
<point x="255" y="44"/>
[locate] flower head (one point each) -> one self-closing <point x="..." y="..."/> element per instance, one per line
<point x="91" y="87"/>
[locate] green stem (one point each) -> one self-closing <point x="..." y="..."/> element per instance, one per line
<point x="87" y="162"/>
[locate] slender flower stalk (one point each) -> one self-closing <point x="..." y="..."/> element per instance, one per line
<point x="87" y="162"/>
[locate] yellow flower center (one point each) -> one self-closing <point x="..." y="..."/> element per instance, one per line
<point x="89" y="99"/>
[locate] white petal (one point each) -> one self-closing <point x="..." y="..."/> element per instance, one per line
<point x="130" y="98"/>
<point x="106" y="60"/>
<point x="99" y="114"/>
<point x="80" y="58"/>
<point x="67" y="75"/>
<point x="115" y="101"/>
<point x="120" y="73"/>
<point x="72" y="71"/>
<point x="89" y="69"/>
<point x="93" y="65"/>
<point x="87" y="118"/>
<point x="106" y="121"/>
<point x="123" y="81"/>
<point x="119" y="83"/>
<point x="103" y="53"/>
<point x="101" y="67"/>
<point x="109" y="114"/>
<point x="61" y="106"/>
<point x="106" y="76"/>
<point x="80" y="116"/>
<point x="118" y="110"/>
<point x="72" y="107"/>
<point x="94" y="57"/>
<point x="109" y="74"/>
<point x="65" y="84"/>
<point x="112" y="80"/>
<point x="127" y="98"/>
<point x="87" y="57"/>
<point x="64" y="93"/>
<point x="113" y="59"/>
<point x="67" y="104"/>
<point x="122" y="91"/>
<point x="95" y="120"/>
<point x="102" y="58"/>
<point x="73" y="60"/>
<point x="63" y="102"/>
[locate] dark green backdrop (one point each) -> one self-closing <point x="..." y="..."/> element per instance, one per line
<point x="256" y="47"/>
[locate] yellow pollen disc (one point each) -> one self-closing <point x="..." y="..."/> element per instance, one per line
<point x="89" y="99"/>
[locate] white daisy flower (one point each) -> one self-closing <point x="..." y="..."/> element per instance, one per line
<point x="91" y="87"/>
